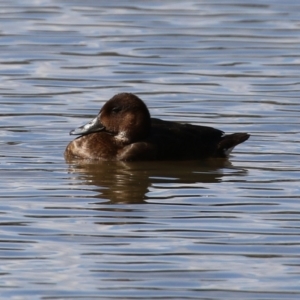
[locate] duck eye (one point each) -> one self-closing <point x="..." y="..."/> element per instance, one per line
<point x="116" y="109"/>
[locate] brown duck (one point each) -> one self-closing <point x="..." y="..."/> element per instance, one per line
<point x="124" y="131"/>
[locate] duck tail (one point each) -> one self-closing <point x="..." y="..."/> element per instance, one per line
<point x="228" y="142"/>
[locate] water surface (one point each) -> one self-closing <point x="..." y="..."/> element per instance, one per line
<point x="167" y="230"/>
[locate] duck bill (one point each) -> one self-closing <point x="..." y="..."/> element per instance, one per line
<point x="92" y="126"/>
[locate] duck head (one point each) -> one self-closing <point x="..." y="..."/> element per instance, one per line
<point x="124" y="116"/>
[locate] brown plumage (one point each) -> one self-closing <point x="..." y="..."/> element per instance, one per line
<point x="123" y="130"/>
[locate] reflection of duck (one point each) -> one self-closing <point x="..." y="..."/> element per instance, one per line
<point x="129" y="182"/>
<point x="124" y="131"/>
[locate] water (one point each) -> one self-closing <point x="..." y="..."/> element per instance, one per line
<point x="188" y="230"/>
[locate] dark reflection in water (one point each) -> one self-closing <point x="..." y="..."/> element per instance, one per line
<point x="129" y="182"/>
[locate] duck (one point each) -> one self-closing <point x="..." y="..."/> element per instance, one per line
<point x="123" y="130"/>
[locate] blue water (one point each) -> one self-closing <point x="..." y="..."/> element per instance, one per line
<point x="167" y="230"/>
